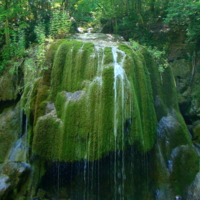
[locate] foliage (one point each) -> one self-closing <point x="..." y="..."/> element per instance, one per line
<point x="16" y="49"/>
<point x="159" y="58"/>
<point x="59" y="24"/>
<point x="157" y="54"/>
<point x="136" y="46"/>
<point x="185" y="13"/>
<point x="41" y="49"/>
<point x="29" y="64"/>
<point x="40" y="32"/>
<point x="129" y="18"/>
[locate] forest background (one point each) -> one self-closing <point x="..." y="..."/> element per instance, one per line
<point x="153" y="23"/>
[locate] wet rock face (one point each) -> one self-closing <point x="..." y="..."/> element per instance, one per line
<point x="19" y="150"/>
<point x="196" y="133"/>
<point x="185" y="167"/>
<point x="15" y="169"/>
<point x="194" y="189"/>
<point x="4" y="185"/>
<point x="169" y="132"/>
<point x="188" y="86"/>
<point x="10" y="128"/>
<point x="13" y="176"/>
<point x="181" y="69"/>
<point x="9" y="86"/>
<point x="177" y="161"/>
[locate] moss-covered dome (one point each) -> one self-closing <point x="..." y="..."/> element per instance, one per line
<point x="104" y="98"/>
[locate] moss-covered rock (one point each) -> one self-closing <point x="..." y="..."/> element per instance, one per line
<point x="176" y="159"/>
<point x="99" y="103"/>
<point x="186" y="73"/>
<point x="172" y="128"/>
<point x="9" y="86"/>
<point x="13" y="177"/>
<point x="194" y="189"/>
<point x="95" y="103"/>
<point x="47" y="137"/>
<point x="10" y="130"/>
<point x="106" y="99"/>
<point x="196" y="133"/>
<point x="183" y="172"/>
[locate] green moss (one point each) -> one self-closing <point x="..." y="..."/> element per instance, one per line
<point x="184" y="136"/>
<point x="163" y="84"/>
<point x="127" y="49"/>
<point x="88" y="62"/>
<point x="88" y="130"/>
<point x="92" y="112"/>
<point x="71" y="74"/>
<point x="169" y="90"/>
<point x="77" y="127"/>
<point x="49" y="60"/>
<point x="94" y="143"/>
<point x="108" y="57"/>
<point x="29" y="96"/>
<point x="85" y="138"/>
<point x="87" y="51"/>
<point x="61" y="99"/>
<point x="51" y="52"/>
<point x="196" y="134"/>
<point x="58" y="66"/>
<point x="184" y="172"/>
<point x="108" y="140"/>
<point x="88" y="47"/>
<point x="8" y="83"/>
<point x="129" y="67"/>
<point x="25" y="96"/>
<point x="146" y="105"/>
<point x="157" y="85"/>
<point x="177" y="133"/>
<point x="47" y="140"/>
<point x="68" y="73"/>
<point x="40" y="101"/>
<point x="6" y="141"/>
<point x="144" y="116"/>
<point x="9" y="130"/>
<point x="34" y="98"/>
<point x="88" y="122"/>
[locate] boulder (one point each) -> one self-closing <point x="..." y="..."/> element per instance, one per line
<point x="194" y="189"/>
<point x="13" y="176"/>
<point x="4" y="185"/>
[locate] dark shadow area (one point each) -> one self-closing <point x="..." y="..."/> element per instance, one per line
<point x="9" y="103"/>
<point x="121" y="175"/>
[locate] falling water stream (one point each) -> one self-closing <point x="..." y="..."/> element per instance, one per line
<point x="119" y="82"/>
<point x="122" y="173"/>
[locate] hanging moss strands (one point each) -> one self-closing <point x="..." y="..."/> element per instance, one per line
<point x="102" y="101"/>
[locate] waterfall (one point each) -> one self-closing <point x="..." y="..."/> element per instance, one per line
<point x="119" y="87"/>
<point x="100" y="135"/>
<point x="100" y="124"/>
<point x="119" y="76"/>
